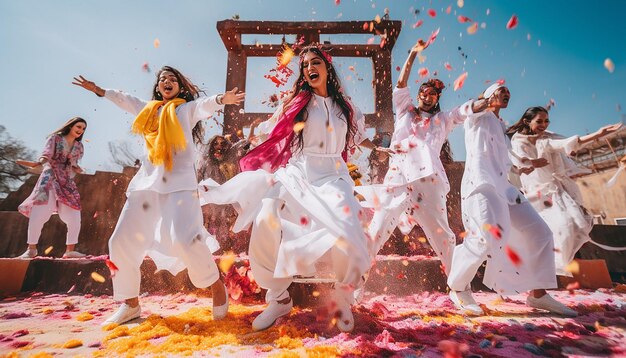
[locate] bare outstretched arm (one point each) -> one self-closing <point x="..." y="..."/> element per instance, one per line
<point x="88" y="85"/>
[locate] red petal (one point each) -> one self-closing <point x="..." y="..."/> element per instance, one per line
<point x="458" y="83"/>
<point x="513" y="256"/>
<point x="512" y="22"/>
<point x="463" y="19"/>
<point x="432" y="12"/>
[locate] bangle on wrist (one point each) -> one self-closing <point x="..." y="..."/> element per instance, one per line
<point x="219" y="99"/>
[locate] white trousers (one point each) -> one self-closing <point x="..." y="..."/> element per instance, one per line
<point x="424" y="205"/>
<point x="265" y="242"/>
<point x="168" y="223"/>
<point x="40" y="214"/>
<point x="522" y="230"/>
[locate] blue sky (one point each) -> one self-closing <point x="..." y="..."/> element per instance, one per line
<point x="45" y="43"/>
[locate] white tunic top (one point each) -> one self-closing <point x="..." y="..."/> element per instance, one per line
<point x="487" y="161"/>
<point x="182" y="176"/>
<point x="554" y="176"/>
<point x="418" y="138"/>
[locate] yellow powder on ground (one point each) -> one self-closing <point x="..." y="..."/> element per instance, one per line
<point x="196" y="331"/>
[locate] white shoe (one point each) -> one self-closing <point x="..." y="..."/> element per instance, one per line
<point x="123" y="314"/>
<point x="464" y="301"/>
<point x="273" y="311"/>
<point x="73" y="255"/>
<point x="345" y="319"/>
<point x="548" y="303"/>
<point x="219" y="312"/>
<point x="28" y="254"/>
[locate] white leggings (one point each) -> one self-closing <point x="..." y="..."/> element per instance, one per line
<point x="40" y="214"/>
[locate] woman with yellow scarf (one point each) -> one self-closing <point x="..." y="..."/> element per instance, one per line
<point x="162" y="215"/>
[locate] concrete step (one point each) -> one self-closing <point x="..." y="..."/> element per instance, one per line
<point x="391" y="274"/>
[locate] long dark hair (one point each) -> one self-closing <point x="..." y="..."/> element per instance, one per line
<point x="188" y="91"/>
<point x="522" y="126"/>
<point x="67" y="126"/>
<point x="333" y="86"/>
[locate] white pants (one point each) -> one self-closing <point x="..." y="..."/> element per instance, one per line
<point x="40" y="214"/>
<point x="522" y="230"/>
<point x="265" y="242"/>
<point x="425" y="205"/>
<point x="168" y="223"/>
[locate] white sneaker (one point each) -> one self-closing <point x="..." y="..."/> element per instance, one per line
<point x="548" y="303"/>
<point x="464" y="301"/>
<point x="273" y="311"/>
<point x="345" y="319"/>
<point x="219" y="312"/>
<point x="73" y="255"/>
<point x="123" y="314"/>
<point x="28" y="254"/>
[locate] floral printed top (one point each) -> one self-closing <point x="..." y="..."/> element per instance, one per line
<point x="57" y="175"/>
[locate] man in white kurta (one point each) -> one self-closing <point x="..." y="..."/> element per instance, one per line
<point x="501" y="226"/>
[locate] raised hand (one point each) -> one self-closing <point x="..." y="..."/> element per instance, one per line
<point x="88" y="85"/>
<point x="233" y="96"/>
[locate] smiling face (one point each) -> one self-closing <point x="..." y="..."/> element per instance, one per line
<point x="539" y="123"/>
<point x="500" y="98"/>
<point x="427" y="98"/>
<point x="77" y="130"/>
<point x="315" y="72"/>
<point x="168" y="85"/>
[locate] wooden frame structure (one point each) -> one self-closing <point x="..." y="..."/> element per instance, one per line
<point x="238" y="53"/>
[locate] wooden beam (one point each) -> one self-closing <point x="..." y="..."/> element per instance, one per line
<point x="293" y="28"/>
<point x="341" y="50"/>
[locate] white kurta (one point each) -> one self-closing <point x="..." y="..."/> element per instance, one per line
<point x="500" y="224"/>
<point x="554" y="194"/>
<point x="310" y="202"/>
<point x="162" y="215"/>
<point x="416" y="185"/>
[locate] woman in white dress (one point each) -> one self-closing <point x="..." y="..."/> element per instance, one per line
<point x="501" y="226"/>
<point x="551" y="189"/>
<point x="162" y="215"/>
<point x="301" y="204"/>
<point x="415" y="189"/>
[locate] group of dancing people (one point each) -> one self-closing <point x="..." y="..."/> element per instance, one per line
<point x="295" y="192"/>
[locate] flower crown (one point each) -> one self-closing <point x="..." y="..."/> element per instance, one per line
<point x="328" y="57"/>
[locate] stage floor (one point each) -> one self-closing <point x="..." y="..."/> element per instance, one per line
<point x="423" y="324"/>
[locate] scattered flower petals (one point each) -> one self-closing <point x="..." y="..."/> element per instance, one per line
<point x="512" y="23"/>
<point x="157" y="43"/>
<point x="226" y="261"/>
<point x="609" y="65"/>
<point x="512" y="255"/>
<point x="73" y="343"/>
<point x="298" y="126"/>
<point x="423" y="72"/>
<point x="97" y="277"/>
<point x="472" y="28"/>
<point x="48" y="250"/>
<point x="463" y="19"/>
<point x="458" y="83"/>
<point x="432" y="12"/>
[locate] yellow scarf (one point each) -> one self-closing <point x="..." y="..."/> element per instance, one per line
<point x="163" y="134"/>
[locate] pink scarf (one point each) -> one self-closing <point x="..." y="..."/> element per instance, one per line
<point x="275" y="152"/>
